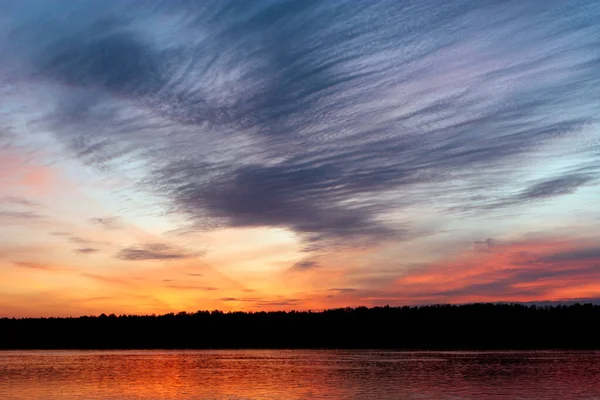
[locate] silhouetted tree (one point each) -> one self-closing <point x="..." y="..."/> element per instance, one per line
<point x="474" y="326"/>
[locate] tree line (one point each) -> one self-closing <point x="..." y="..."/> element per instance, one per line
<point x="435" y="327"/>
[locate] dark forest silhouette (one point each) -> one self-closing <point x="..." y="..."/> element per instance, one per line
<point x="474" y="326"/>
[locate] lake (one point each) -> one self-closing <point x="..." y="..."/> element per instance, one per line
<point x="298" y="374"/>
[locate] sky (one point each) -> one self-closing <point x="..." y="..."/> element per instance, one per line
<point x="165" y="156"/>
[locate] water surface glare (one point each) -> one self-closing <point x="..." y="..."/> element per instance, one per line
<point x="298" y="374"/>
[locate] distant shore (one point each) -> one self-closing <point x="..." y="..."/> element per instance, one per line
<point x="436" y="327"/>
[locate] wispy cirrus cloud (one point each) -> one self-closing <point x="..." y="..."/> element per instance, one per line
<point x="320" y="131"/>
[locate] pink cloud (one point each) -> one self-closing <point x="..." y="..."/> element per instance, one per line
<point x="531" y="270"/>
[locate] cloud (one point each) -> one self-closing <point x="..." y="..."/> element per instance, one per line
<point x="273" y="196"/>
<point x="229" y="299"/>
<point x="19" y="201"/>
<point x="306" y="264"/>
<point x="277" y="114"/>
<point x="577" y="255"/>
<point x="78" y="240"/>
<point x="115" y="60"/>
<point x="155" y="251"/>
<point x="555" y="187"/>
<point x="86" y="250"/>
<point x="540" y="190"/>
<point x="107" y="222"/>
<point x="33" y="265"/>
<point x="20" y="215"/>
<point x="547" y="269"/>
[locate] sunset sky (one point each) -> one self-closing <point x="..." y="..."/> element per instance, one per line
<point x="258" y="155"/>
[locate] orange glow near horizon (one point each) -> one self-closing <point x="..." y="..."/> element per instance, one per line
<point x="534" y="270"/>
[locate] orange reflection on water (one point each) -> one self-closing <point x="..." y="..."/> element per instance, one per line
<point x="292" y="375"/>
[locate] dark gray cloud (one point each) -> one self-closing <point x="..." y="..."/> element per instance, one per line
<point x="153" y="251"/>
<point x="315" y="116"/>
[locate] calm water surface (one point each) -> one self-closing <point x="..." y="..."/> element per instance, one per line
<point x="258" y="374"/>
